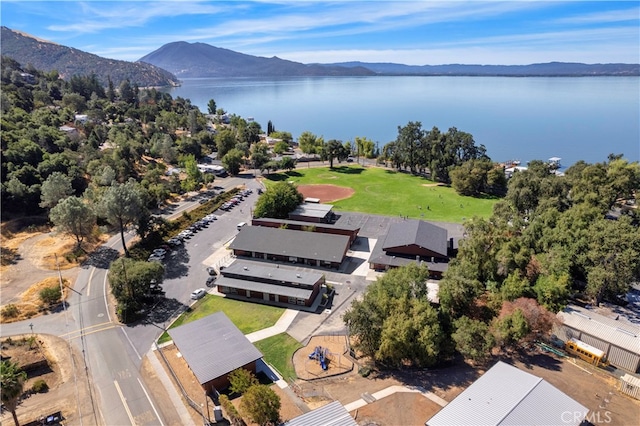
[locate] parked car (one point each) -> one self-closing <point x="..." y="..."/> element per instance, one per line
<point x="197" y="294"/>
<point x="211" y="280"/>
<point x="159" y="251"/>
<point x="174" y="242"/>
<point x="211" y="270"/>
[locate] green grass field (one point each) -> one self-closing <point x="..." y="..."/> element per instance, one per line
<point x="390" y="193"/>
<point x="278" y="351"/>
<point x="248" y="317"/>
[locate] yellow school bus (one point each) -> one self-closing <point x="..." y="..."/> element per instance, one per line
<point x="585" y="351"/>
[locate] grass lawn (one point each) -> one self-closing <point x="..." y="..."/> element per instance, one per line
<point x="278" y="351"/>
<point x="390" y="193"/>
<point x="248" y="317"/>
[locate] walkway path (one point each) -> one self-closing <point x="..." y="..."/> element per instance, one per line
<point x="390" y="391"/>
<point x="280" y="327"/>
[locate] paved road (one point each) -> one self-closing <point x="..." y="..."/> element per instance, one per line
<point x="112" y="352"/>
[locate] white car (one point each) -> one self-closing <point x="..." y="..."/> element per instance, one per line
<point x="159" y="252"/>
<point x="197" y="294"/>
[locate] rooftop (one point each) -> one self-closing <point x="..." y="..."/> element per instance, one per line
<point x="286" y="242"/>
<point x="505" y="395"/>
<point x="213" y="346"/>
<point x="618" y="333"/>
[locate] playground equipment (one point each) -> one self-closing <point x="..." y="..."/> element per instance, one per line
<point x="320" y="354"/>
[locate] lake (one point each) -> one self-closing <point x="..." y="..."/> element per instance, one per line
<point x="516" y="118"/>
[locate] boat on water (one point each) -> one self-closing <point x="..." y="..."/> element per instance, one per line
<point x="554" y="162"/>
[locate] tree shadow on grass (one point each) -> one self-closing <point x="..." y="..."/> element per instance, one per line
<point x="347" y="170"/>
<point x="276" y="177"/>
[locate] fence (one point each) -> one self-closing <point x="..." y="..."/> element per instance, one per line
<point x="183" y="391"/>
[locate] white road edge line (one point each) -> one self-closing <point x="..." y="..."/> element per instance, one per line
<point x="104" y="291"/>
<point x="150" y="402"/>
<point x="126" y="407"/>
<point x="131" y="343"/>
<point x="93" y="269"/>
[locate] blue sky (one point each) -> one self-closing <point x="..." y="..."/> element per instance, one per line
<point x="410" y="32"/>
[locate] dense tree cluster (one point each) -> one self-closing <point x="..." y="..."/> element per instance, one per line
<point x="552" y="238"/>
<point x="420" y="151"/>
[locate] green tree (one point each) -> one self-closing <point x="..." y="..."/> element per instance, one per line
<point x="50" y="295"/>
<point x="211" y="106"/>
<point x="194" y="178"/>
<point x="511" y="328"/>
<point x="457" y="292"/>
<point x="129" y="281"/>
<point x="74" y="217"/>
<point x="287" y="163"/>
<point x="261" y="405"/>
<point x="335" y="150"/>
<point x="552" y="291"/>
<point x="394" y="322"/>
<point x="55" y="188"/>
<point x="473" y="339"/>
<point x="225" y="142"/>
<point x="259" y="155"/>
<point x="280" y="147"/>
<point x="122" y="205"/>
<point x="232" y="161"/>
<point x="240" y="380"/>
<point x="12" y="385"/>
<point x="278" y="201"/>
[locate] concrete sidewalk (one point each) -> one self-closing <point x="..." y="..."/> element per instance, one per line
<point x="390" y="391"/>
<point x="280" y="327"/>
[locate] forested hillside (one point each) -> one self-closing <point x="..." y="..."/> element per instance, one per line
<point x="35" y="54"/>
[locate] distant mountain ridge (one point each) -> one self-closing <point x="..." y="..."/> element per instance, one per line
<point x="191" y="60"/>
<point x="545" y="69"/>
<point x="48" y="56"/>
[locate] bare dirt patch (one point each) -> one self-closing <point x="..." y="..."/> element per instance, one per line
<point x="32" y="255"/>
<point x="325" y="193"/>
<point x="30" y="304"/>
<point x="428" y="185"/>
<point x="68" y="392"/>
<point x="402" y="408"/>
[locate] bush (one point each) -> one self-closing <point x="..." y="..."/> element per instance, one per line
<point x="10" y="311"/>
<point x="40" y="386"/>
<point x="364" y="371"/>
<point x="234" y="416"/>
<point x="50" y="295"/>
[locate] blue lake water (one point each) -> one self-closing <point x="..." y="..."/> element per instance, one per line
<point x="521" y="118"/>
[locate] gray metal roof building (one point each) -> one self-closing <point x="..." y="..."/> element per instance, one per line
<point x="213" y="346"/>
<point x="332" y="414"/>
<point x="505" y="395"/>
<point x="285" y="242"/>
<point x="418" y="233"/>
<point x="619" y="340"/>
<point x="411" y="241"/>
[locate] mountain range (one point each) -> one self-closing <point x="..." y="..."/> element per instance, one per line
<point x="180" y="59"/>
<point x="48" y="56"/>
<point x="203" y="60"/>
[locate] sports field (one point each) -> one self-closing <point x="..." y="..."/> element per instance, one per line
<point x="390" y="193"/>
